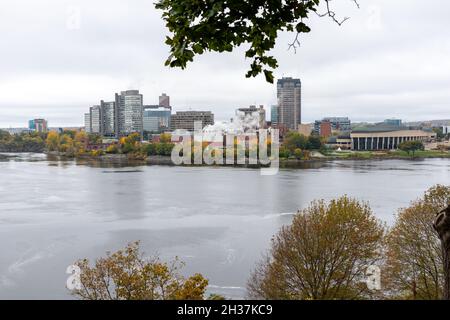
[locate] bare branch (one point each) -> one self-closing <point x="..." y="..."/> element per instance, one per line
<point x="329" y="13"/>
<point x="295" y="44"/>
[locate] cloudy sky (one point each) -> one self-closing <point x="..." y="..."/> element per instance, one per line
<point x="58" y="57"/>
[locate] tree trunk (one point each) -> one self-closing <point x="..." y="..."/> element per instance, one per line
<point x="442" y="226"/>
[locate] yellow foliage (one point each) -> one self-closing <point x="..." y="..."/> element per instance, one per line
<point x="127" y="275"/>
<point x="52" y="141"/>
<point x="323" y="254"/>
<point x="165" y="138"/>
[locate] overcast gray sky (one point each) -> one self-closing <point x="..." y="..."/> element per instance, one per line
<point x="58" y="57"/>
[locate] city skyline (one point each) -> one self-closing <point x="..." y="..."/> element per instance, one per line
<point x="371" y="68"/>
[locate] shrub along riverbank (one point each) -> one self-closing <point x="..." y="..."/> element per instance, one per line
<point x="295" y="151"/>
<point x="25" y="142"/>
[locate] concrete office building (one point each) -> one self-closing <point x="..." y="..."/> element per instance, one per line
<point x="96" y="119"/>
<point x="129" y="113"/>
<point x="87" y="122"/>
<point x="289" y="102"/>
<point x="445" y="129"/>
<point x="184" y="120"/>
<point x="156" y="119"/>
<point x="108" y="120"/>
<point x="385" y="138"/>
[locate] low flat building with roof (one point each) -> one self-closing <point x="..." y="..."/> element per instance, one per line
<point x="383" y="137"/>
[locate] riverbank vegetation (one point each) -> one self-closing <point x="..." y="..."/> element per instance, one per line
<point x="335" y="250"/>
<point x="323" y="254"/>
<point x="294" y="148"/>
<point x="128" y="275"/>
<point x="299" y="147"/>
<point x="391" y="154"/>
<point x="410" y="147"/>
<point x="24" y="142"/>
<point x="413" y="265"/>
<point x="328" y="249"/>
<point x="80" y="144"/>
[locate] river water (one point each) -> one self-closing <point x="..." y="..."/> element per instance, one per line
<point x="219" y="221"/>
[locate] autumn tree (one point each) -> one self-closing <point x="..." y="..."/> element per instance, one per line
<point x="298" y="153"/>
<point x="95" y="138"/>
<point x="323" y="254"/>
<point x="413" y="267"/>
<point x="66" y="144"/>
<point x="130" y="143"/>
<point x="223" y="25"/>
<point x="295" y="140"/>
<point x="112" y="149"/>
<point x="81" y="140"/>
<point x="165" y="138"/>
<point x="128" y="275"/>
<point x="52" y="142"/>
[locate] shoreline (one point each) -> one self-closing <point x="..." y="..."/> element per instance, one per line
<point x="123" y="159"/>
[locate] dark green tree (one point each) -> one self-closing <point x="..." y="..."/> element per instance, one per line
<point x="411" y="146"/>
<point x="314" y="142"/>
<point x="222" y="25"/>
<point x="439" y="133"/>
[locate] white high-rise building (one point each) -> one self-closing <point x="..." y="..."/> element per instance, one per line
<point x="96" y="119"/>
<point x="129" y="113"/>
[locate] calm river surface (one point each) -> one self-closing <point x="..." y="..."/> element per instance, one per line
<point x="218" y="220"/>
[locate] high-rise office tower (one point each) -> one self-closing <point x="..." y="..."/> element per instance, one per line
<point x="164" y="101"/>
<point x="129" y="113"/>
<point x="108" y="118"/>
<point x="96" y="119"/>
<point x="289" y="92"/>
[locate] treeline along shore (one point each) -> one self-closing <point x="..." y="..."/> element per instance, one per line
<point x="296" y="150"/>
